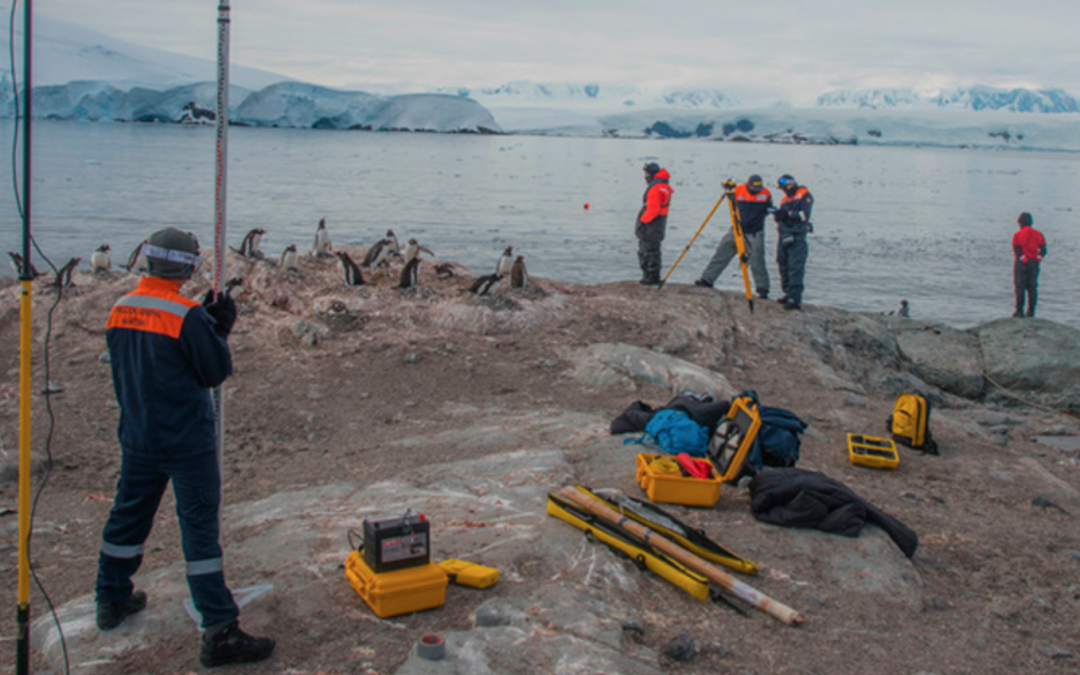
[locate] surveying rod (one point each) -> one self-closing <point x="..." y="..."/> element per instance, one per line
<point x="220" y="185"/>
<point x="26" y="314"/>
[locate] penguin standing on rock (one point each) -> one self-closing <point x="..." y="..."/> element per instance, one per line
<point x="137" y="263"/>
<point x="249" y="248"/>
<point x="100" y="262"/>
<point x="376" y="255"/>
<point x="485" y="284"/>
<point x="322" y="246"/>
<point x="519" y="277"/>
<point x="289" y="258"/>
<point x="17" y="265"/>
<point x="353" y="277"/>
<point x="506" y="262"/>
<point x="392" y="246"/>
<point x="63" y="276"/>
<point x="410" y="274"/>
<point x="414" y="249"/>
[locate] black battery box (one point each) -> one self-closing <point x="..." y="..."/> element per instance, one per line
<point x="396" y="542"/>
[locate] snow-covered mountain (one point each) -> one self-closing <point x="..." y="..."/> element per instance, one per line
<point x="594" y="96"/>
<point x="963" y="98"/>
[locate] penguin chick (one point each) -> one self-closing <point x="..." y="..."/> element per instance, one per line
<point x="99" y="259"/>
<point x="63" y="275"/>
<point x="322" y="247"/>
<point x="410" y="273"/>
<point x="519" y="277"/>
<point x="445" y="270"/>
<point x="485" y="284"/>
<point x="249" y="248"/>
<point x="353" y="277"/>
<point x="414" y="249"/>
<point x="288" y="258"/>
<point x="17" y="265"/>
<point x="506" y="262"/>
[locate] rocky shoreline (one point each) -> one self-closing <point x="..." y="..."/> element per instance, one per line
<point x="472" y="409"/>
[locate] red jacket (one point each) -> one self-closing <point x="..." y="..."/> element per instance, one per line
<point x="1029" y="244"/>
<point x="657" y="197"/>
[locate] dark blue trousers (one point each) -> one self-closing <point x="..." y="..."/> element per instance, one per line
<point x="197" y="486"/>
<point x="791" y="254"/>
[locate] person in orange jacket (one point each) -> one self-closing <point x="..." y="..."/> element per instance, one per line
<point x="652" y="222"/>
<point x="1029" y="247"/>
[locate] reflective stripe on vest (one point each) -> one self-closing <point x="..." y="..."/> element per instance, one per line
<point x="148" y="313"/>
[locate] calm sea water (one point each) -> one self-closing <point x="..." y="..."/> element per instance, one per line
<point x="929" y="225"/>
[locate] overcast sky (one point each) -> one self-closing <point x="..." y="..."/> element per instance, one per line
<point x="778" y="48"/>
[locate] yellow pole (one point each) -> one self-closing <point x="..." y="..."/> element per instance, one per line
<point x="740" y="241"/>
<point x="26" y="330"/>
<point x="692" y="239"/>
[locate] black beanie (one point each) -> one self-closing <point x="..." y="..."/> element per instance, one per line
<point x="1025" y="219"/>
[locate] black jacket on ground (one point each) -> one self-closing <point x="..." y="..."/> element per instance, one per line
<point x="799" y="498"/>
<point x="706" y="413"/>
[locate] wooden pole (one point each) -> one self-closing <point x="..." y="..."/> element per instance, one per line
<point x="743" y="591"/>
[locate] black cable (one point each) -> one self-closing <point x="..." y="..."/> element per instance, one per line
<point x="48" y="337"/>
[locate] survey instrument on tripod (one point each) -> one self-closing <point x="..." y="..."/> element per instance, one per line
<point x="692" y="239"/>
<point x="740" y="240"/>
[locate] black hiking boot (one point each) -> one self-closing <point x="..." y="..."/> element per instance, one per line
<point x="112" y="614"/>
<point x="650" y="282"/>
<point x="791" y="304"/>
<point x="763" y="295"/>
<point x="702" y="283"/>
<point x="783" y="299"/>
<point x="232" y="645"/>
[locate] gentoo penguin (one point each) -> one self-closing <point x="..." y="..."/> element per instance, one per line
<point x="904" y="310"/>
<point x="322" y="247"/>
<point x="519" y="277"/>
<point x="137" y="263"/>
<point x="232" y="284"/>
<point x="485" y="284"/>
<point x="353" y="277"/>
<point x="506" y="262"/>
<point x="414" y="249"/>
<point x="392" y="247"/>
<point x="63" y="276"/>
<point x="445" y="270"/>
<point x="17" y="265"/>
<point x="410" y="273"/>
<point x="288" y="258"/>
<point x="376" y="255"/>
<point x="99" y="259"/>
<point x="249" y="248"/>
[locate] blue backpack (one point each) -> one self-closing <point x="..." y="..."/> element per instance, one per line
<point x="673" y="432"/>
<point x="777" y="441"/>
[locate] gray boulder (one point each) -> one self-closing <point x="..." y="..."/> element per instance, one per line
<point x="944" y="357"/>
<point x="1035" y="356"/>
<point x="606" y="365"/>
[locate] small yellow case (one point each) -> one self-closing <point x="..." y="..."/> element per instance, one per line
<point x="871" y="451"/>
<point x="469" y="574"/>
<point x="403" y="591"/>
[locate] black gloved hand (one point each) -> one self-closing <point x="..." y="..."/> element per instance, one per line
<point x="223" y="309"/>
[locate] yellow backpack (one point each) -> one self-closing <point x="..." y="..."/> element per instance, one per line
<point x="910" y="423"/>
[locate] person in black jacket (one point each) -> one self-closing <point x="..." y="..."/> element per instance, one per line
<point x="166" y="353"/>
<point x="754" y="203"/>
<point x="792" y="250"/>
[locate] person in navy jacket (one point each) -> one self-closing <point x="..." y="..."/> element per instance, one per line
<point x="166" y="353"/>
<point x="792" y="226"/>
<point x="754" y="203"/>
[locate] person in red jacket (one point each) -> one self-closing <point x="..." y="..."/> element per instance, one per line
<point x="166" y="352"/>
<point x="1029" y="247"/>
<point x="652" y="222"/>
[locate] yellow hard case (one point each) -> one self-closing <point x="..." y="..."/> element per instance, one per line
<point x="397" y="592"/>
<point x="674" y="488"/>
<point x="469" y="574"/>
<point x="871" y="451"/>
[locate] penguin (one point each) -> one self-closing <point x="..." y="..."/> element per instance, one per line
<point x="353" y="277"/>
<point x="99" y="259"/>
<point x="445" y="270"/>
<point x="904" y="310"/>
<point x="322" y="246"/>
<point x="519" y="277"/>
<point x="414" y="249"/>
<point x="376" y="255"/>
<point x="485" y="284"/>
<point x="392" y="246"/>
<point x="17" y="265"/>
<point x="410" y="273"/>
<point x="506" y="262"/>
<point x="288" y="258"/>
<point x="137" y="262"/>
<point x="232" y="284"/>
<point x="249" y="248"/>
<point x="63" y="276"/>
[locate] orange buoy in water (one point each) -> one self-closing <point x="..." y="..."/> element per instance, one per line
<point x="586" y="206"/>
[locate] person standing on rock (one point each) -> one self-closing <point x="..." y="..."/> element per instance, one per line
<point x="754" y="203"/>
<point x="652" y="222"/>
<point x="1029" y="247"/>
<point x="792" y="225"/>
<point x="166" y="353"/>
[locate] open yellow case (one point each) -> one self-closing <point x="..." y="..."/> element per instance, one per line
<point x="734" y="436"/>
